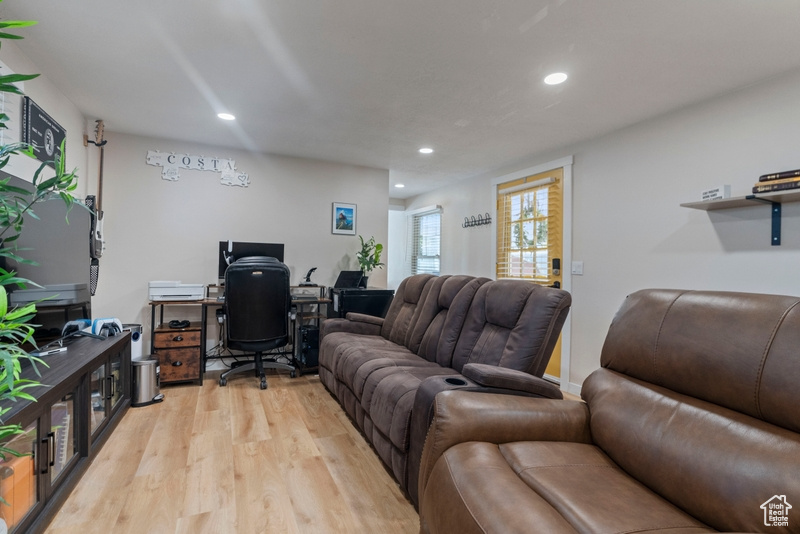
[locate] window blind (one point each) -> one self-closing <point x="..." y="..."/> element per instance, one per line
<point x="529" y="212"/>
<point x="424" y="250"/>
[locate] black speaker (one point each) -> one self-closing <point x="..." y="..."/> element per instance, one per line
<point x="309" y="346"/>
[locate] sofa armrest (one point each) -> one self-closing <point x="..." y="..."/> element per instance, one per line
<point x="461" y="416"/>
<point x="475" y="377"/>
<point x="364" y="318"/>
<point x="492" y="376"/>
<point x="355" y="323"/>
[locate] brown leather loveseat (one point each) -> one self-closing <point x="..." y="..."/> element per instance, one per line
<point x="692" y="424"/>
<point x="441" y="332"/>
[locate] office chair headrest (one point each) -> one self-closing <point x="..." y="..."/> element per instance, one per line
<point x="257" y="259"/>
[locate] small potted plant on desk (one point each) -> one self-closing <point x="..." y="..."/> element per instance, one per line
<point x="369" y="257"/>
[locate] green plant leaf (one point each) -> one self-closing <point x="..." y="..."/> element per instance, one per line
<point x="14" y="78"/>
<point x="16" y="313"/>
<point x="17" y="23"/>
<point x="3" y="301"/>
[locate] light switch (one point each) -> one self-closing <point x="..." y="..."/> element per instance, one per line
<point x="577" y="267"/>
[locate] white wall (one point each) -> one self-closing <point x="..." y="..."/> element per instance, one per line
<point x="628" y="227"/>
<point x="162" y="230"/>
<point x="396" y="257"/>
<point x="50" y="99"/>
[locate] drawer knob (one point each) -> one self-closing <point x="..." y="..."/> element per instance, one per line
<point x="177" y="364"/>
<point x="177" y="338"/>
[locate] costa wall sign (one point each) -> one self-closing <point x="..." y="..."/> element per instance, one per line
<point x="171" y="162"/>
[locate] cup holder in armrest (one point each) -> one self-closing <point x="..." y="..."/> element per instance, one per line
<point x="454" y="381"/>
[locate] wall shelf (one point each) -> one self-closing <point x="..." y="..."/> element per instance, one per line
<point x="741" y="202"/>
<point x="774" y="199"/>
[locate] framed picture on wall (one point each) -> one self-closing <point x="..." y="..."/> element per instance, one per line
<point x="344" y="219"/>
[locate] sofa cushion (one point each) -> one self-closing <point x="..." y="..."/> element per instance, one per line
<point x="361" y="376"/>
<point x="405" y="308"/>
<point x="387" y="402"/>
<point x="510" y="324"/>
<point x="542" y="487"/>
<point x="747" y="342"/>
<point x="341" y="346"/>
<point x="717" y="464"/>
<point x="427" y="310"/>
<point x="388" y="397"/>
<point x="452" y="306"/>
<point x="698" y="397"/>
<point x="351" y="359"/>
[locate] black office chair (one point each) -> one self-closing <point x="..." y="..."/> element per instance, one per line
<point x="257" y="306"/>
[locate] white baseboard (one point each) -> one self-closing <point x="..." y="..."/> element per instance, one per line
<point x="573" y="388"/>
<point x="216" y="365"/>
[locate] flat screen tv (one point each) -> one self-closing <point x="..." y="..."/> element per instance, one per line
<point x="230" y="251"/>
<point x="58" y="241"/>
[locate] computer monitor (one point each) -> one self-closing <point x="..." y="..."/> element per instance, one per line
<point x="230" y="251"/>
<point x="348" y="279"/>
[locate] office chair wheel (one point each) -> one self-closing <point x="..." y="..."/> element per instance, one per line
<point x="263" y="383"/>
<point x="223" y="381"/>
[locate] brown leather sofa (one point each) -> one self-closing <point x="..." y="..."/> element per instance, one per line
<point x="441" y="332"/>
<point x="692" y="424"/>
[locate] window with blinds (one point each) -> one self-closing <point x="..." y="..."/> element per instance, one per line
<point x="529" y="227"/>
<point x="425" y="242"/>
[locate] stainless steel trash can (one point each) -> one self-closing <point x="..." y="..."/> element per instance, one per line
<point x="146" y="382"/>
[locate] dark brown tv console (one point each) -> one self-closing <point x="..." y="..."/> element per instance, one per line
<point x="86" y="391"/>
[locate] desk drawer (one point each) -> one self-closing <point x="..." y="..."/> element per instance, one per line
<point x="179" y="364"/>
<point x="177" y="338"/>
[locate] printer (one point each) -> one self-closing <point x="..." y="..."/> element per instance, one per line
<point x="169" y="290"/>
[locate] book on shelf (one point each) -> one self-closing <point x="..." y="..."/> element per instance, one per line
<point x="780" y="181"/>
<point x="779" y="175"/>
<point x="783" y="185"/>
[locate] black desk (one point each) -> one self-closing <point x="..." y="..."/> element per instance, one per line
<point x="368" y="301"/>
<point x="302" y="318"/>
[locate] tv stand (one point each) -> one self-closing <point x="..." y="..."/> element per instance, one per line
<point x="85" y="392"/>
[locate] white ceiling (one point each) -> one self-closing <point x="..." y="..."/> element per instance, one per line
<point x="368" y="82"/>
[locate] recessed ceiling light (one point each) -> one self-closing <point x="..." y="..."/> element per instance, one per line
<point x="226" y="116"/>
<point x="425" y="150"/>
<point x="555" y="78"/>
<point x="399" y="186"/>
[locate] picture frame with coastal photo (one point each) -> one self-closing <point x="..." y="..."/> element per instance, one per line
<point x="344" y="219"/>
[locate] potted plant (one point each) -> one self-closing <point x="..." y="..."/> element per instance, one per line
<point x="16" y="330"/>
<point x="369" y="258"/>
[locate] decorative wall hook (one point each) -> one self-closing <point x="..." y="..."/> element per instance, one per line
<point x="480" y="220"/>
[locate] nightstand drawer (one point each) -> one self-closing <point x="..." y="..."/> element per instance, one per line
<point x="179" y="364"/>
<point x="177" y="338"/>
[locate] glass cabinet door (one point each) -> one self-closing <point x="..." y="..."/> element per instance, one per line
<point x="116" y="382"/>
<point x="97" y="387"/>
<point x="63" y="438"/>
<point x="18" y="477"/>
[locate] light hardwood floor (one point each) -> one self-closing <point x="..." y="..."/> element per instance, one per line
<point x="237" y="459"/>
